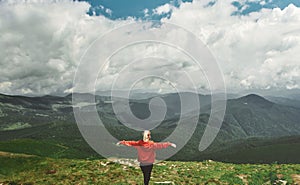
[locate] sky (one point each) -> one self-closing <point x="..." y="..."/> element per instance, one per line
<point x="255" y="43"/>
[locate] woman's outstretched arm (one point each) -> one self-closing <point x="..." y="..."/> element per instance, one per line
<point x="129" y="143"/>
<point x="163" y="145"/>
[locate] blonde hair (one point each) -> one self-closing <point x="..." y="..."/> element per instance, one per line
<point x="145" y="135"/>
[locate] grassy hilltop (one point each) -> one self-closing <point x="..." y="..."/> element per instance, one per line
<point x="31" y="169"/>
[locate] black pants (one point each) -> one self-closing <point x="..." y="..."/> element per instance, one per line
<point x="146" y="169"/>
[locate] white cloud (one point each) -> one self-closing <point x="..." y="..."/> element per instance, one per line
<point x="41" y="44"/>
<point x="262" y="3"/>
<point x="5" y="86"/>
<point x="163" y="9"/>
<point x="146" y="11"/>
<point x="108" y="11"/>
<point x="255" y="51"/>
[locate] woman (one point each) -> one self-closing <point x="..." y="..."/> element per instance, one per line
<point x="146" y="152"/>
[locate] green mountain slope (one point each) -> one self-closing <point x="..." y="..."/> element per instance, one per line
<point x="249" y="121"/>
<point x="258" y="117"/>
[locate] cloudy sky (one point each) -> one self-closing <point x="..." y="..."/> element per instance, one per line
<point x="256" y="44"/>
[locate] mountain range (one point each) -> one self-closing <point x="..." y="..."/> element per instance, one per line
<point x="254" y="129"/>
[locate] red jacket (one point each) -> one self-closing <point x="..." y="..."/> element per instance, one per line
<point x="146" y="150"/>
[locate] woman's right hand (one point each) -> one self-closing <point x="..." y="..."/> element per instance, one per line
<point x="118" y="143"/>
<point x="173" y="145"/>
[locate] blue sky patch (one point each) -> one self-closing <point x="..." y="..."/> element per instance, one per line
<point x="143" y="9"/>
<point x="255" y="6"/>
<point x="121" y="9"/>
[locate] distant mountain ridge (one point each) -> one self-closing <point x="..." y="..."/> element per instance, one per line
<point x="260" y="117"/>
<point x="249" y="113"/>
<point x="285" y="101"/>
<point x="51" y="118"/>
<point x="256" y="99"/>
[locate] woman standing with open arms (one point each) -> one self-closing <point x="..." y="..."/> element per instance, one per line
<point x="146" y="152"/>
